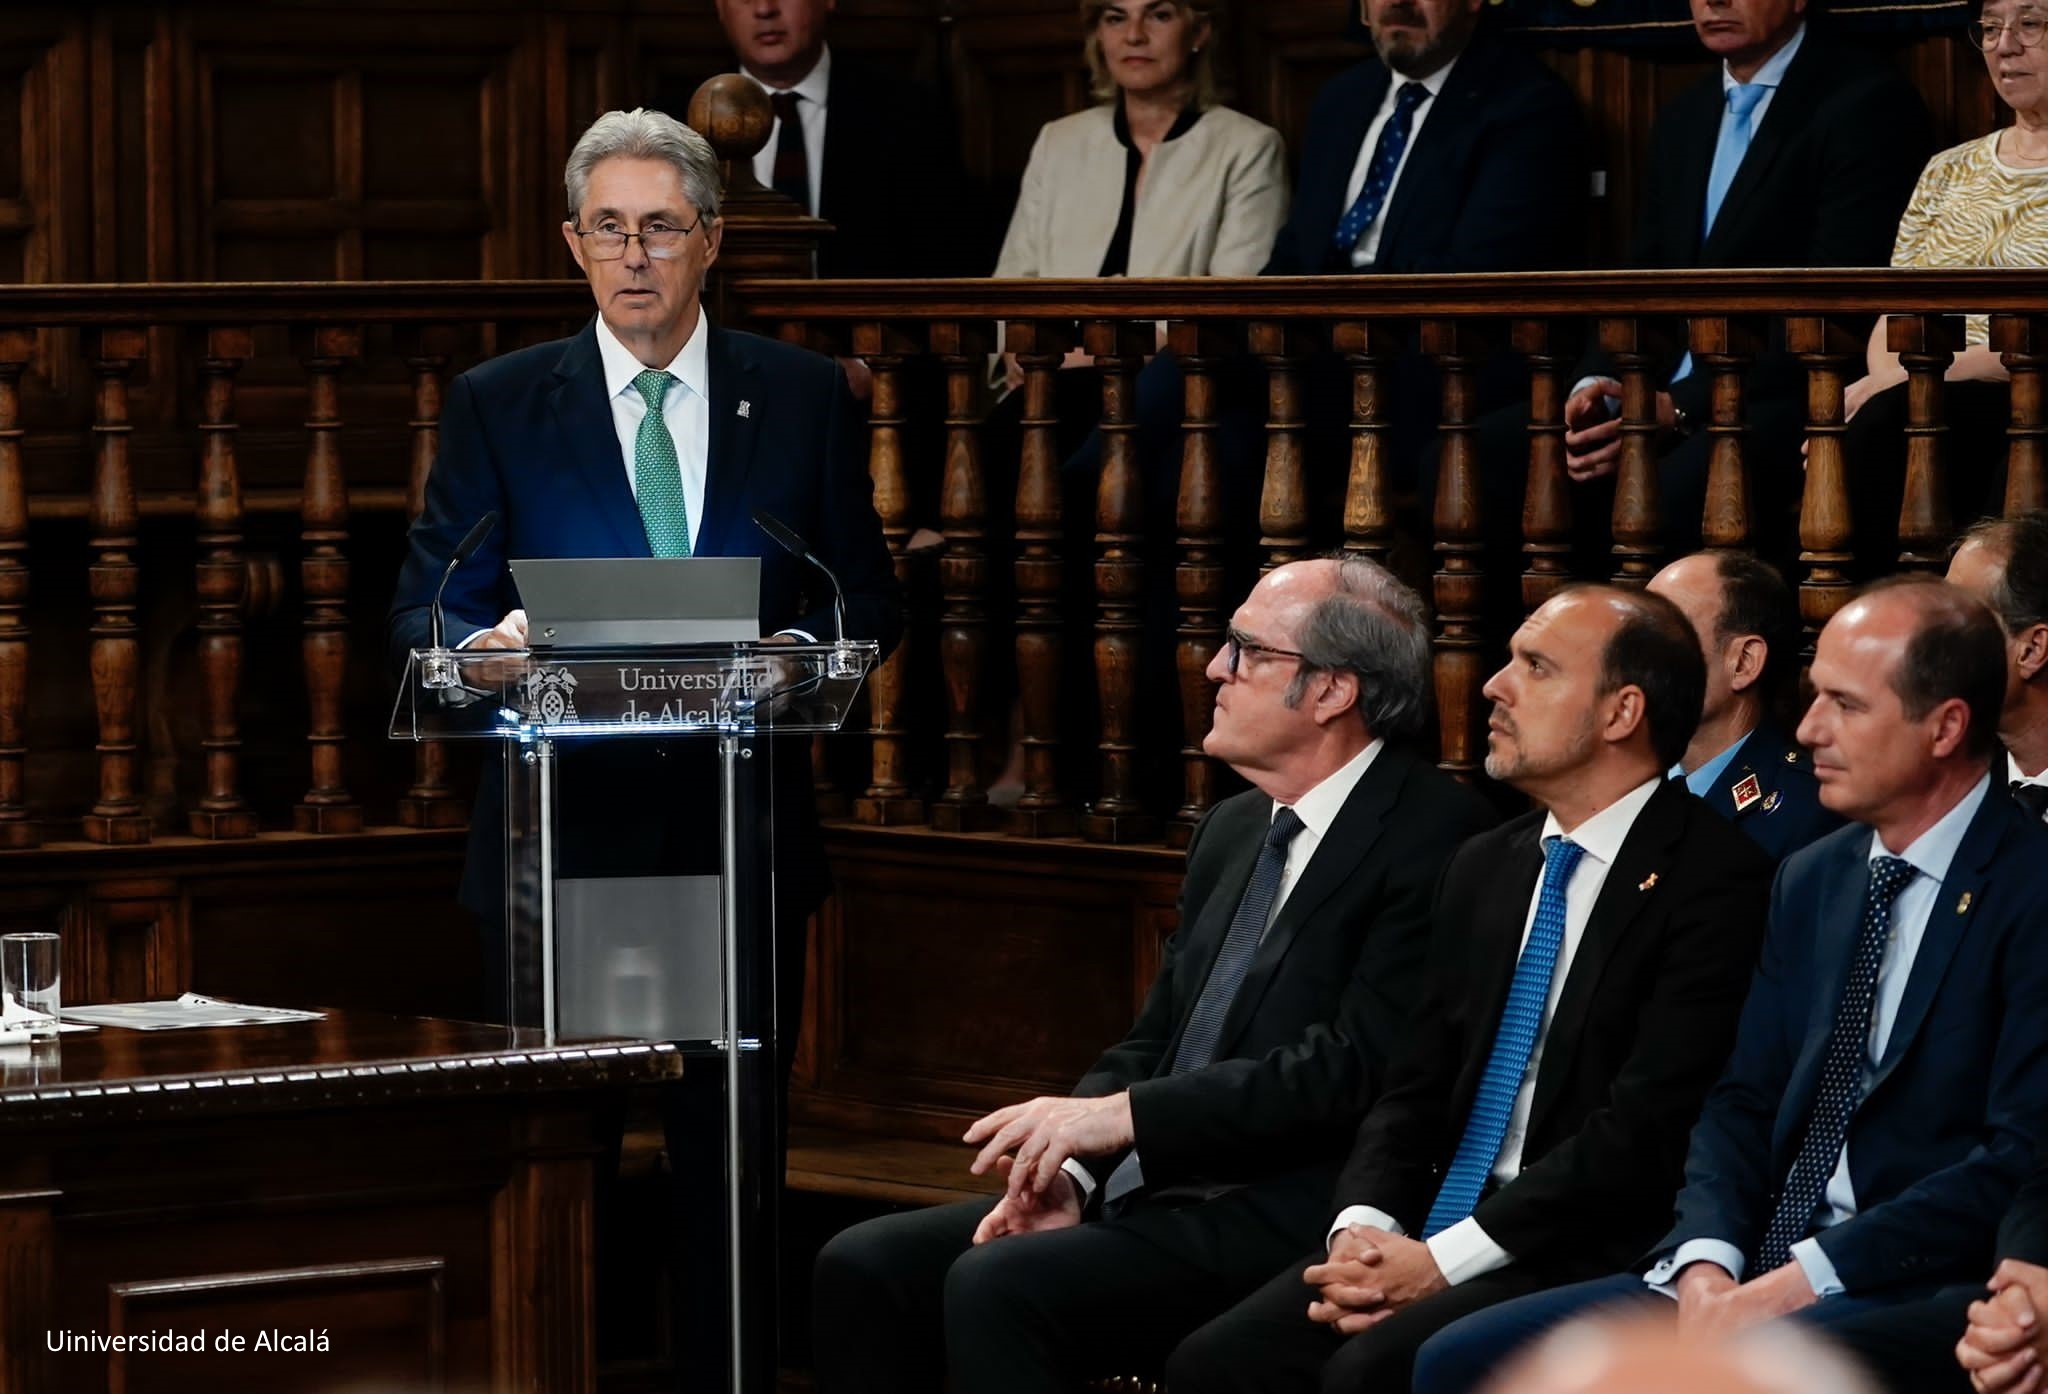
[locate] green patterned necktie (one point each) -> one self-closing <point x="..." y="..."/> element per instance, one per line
<point x="658" y="475"/>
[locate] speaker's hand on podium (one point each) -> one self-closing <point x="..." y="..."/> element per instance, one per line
<point x="508" y="633"/>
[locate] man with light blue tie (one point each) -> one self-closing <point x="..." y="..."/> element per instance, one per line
<point x="1587" y="967"/>
<point x="1885" y="1096"/>
<point x="1800" y="151"/>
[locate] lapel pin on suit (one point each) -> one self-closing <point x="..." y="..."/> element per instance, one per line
<point x="746" y="409"/>
<point x="1747" y="792"/>
<point x="1963" y="905"/>
<point x="1777" y="797"/>
<point x="1648" y="881"/>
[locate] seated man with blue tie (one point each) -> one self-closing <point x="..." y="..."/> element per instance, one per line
<point x="1889" y="1082"/>
<point x="1587" y="962"/>
<point x="2004" y="563"/>
<point x="1799" y="151"/>
<point x="1740" y="760"/>
<point x="1194" y="1156"/>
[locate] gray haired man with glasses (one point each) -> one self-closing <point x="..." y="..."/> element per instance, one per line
<point x="1198" y="1153"/>
<point x="651" y="433"/>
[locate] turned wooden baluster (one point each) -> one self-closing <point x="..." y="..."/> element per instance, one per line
<point x="1926" y="345"/>
<point x="1368" y="348"/>
<point x="117" y="816"/>
<point x="963" y="577"/>
<point x="826" y="796"/>
<point x="1547" y="496"/>
<point x="17" y="829"/>
<point x="222" y="585"/>
<point x="1722" y="349"/>
<point x="327" y="806"/>
<point x="1638" y="520"/>
<point x="1826" y="534"/>
<point x="2022" y="343"/>
<point x="1283" y="498"/>
<point x="430" y="802"/>
<point x="1116" y="815"/>
<point x="887" y="800"/>
<point x="1039" y="347"/>
<point x="1460" y="546"/>
<point x="1198" y="579"/>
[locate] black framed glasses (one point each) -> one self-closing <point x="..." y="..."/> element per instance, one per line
<point x="2027" y="30"/>
<point x="1237" y="645"/>
<point x="658" y="240"/>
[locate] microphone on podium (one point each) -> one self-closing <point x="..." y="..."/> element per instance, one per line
<point x="842" y="663"/>
<point x="437" y="665"/>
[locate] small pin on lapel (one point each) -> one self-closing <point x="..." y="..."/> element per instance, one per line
<point x="747" y="409"/>
<point x="1749" y="791"/>
<point x="1963" y="905"/>
<point x="1648" y="881"/>
<point x="1791" y="757"/>
<point x="1776" y="797"/>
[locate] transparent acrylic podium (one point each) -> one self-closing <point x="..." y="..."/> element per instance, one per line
<point x="688" y="958"/>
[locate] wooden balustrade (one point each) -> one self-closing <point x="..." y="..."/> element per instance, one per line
<point x="178" y="474"/>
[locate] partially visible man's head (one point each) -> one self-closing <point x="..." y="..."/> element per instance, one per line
<point x="1647" y="1355"/>
<point x="1333" y="645"/>
<point x="1416" y="37"/>
<point x="2004" y="563"/>
<point x="643" y="192"/>
<point x="1745" y="33"/>
<point x="778" y="41"/>
<point x="1595" y="674"/>
<point x="1908" y="679"/>
<point x="1747" y="622"/>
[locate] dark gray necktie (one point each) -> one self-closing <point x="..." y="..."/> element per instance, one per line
<point x="2032" y="797"/>
<point x="1233" y="962"/>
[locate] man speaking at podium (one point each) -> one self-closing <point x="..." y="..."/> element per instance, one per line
<point x="652" y="432"/>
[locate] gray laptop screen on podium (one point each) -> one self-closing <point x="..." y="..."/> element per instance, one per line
<point x="599" y="602"/>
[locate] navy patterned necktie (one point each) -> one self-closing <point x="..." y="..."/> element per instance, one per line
<point x="1493" y="1104"/>
<point x="1233" y="963"/>
<point x="1379" y="175"/>
<point x="1841" y="1072"/>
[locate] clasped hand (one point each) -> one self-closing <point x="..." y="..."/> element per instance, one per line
<point x="1712" y="1303"/>
<point x="1045" y="1132"/>
<point x="1592" y="434"/>
<point x="2003" y="1345"/>
<point x="1368" y="1276"/>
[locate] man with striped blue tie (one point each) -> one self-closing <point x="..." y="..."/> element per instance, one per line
<point x="1887" y="1089"/>
<point x="1588" y="962"/>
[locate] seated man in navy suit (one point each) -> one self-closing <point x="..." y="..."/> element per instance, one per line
<point x="1740" y="760"/>
<point x="1886" y="1093"/>
<point x="653" y="432"/>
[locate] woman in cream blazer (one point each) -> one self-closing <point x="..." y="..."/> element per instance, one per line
<point x="1206" y="197"/>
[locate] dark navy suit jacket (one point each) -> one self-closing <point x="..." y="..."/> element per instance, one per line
<point x="1954" y="1111"/>
<point x="1787" y="812"/>
<point x="1494" y="182"/>
<point x="530" y="435"/>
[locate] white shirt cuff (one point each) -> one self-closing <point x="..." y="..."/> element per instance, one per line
<point x="474" y="634"/>
<point x="1820" y="1272"/>
<point x="803" y="634"/>
<point x="1083" y="1182"/>
<point x="1370" y="1216"/>
<point x="1465" y="1251"/>
<point x="1715" y="1251"/>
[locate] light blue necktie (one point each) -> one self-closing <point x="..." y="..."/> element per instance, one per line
<point x="1736" y="133"/>
<point x="658" y="474"/>
<point x="1513" y="1042"/>
<point x="1379" y="175"/>
<point x="1197" y="1047"/>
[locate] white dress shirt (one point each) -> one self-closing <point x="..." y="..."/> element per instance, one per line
<point x="1368" y="249"/>
<point x="1317" y="809"/>
<point x="685" y="406"/>
<point x="811" y="111"/>
<point x="2015" y="775"/>
<point x="1930" y="853"/>
<point x="1465" y="1250"/>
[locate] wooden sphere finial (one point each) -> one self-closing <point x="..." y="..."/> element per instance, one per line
<point x="732" y="112"/>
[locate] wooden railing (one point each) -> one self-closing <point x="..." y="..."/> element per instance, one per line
<point x="197" y="383"/>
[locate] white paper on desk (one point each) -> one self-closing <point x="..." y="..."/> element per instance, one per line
<point x="187" y="1011"/>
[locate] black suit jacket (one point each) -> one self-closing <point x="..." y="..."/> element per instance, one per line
<point x="894" y="188"/>
<point x="1823" y="183"/>
<point x="530" y="435"/>
<point x="1953" y="1112"/>
<point x="2024" y="1233"/>
<point x="1305" y="1045"/>
<point x="1785" y="812"/>
<point x="1641" y="1029"/>
<point x="1494" y="182"/>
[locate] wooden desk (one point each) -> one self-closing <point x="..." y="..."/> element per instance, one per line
<point x="418" y="1192"/>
